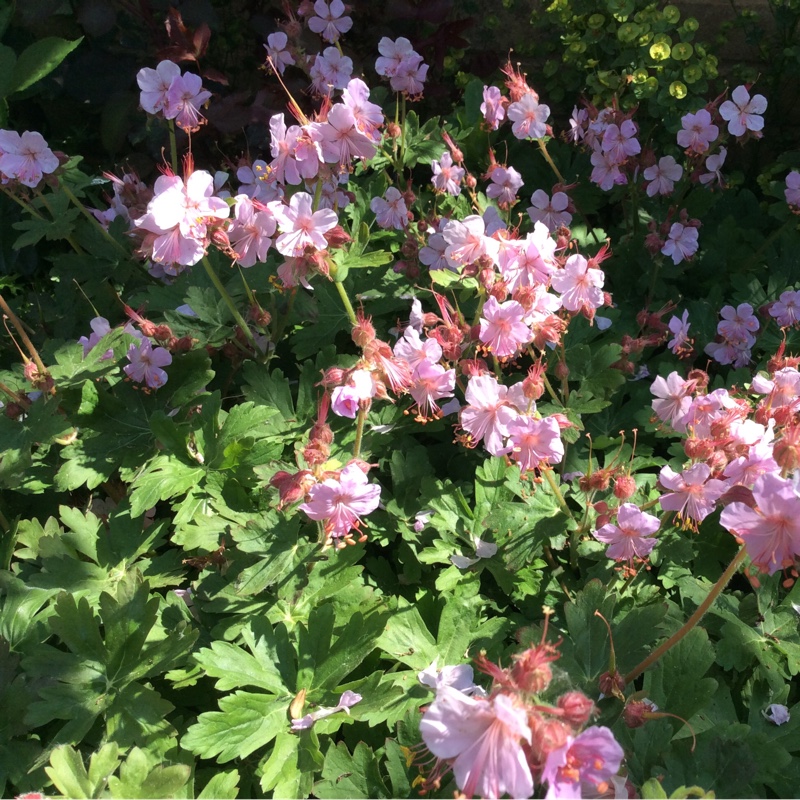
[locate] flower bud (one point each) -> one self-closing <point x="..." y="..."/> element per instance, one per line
<point x="786" y="450"/>
<point x="363" y="332"/>
<point x="624" y="487"/>
<point x="577" y="708"/>
<point x="698" y="449"/>
<point x="258" y="315"/>
<point x="634" y="713"/>
<point x="470" y="181"/>
<point x="531" y="671"/>
<point x="611" y="685"/>
<point x="393" y="131"/>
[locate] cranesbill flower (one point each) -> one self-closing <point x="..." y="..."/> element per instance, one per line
<point x="535" y="441"/>
<point x="341" y="503"/>
<point x="777" y="713"/>
<point x="392" y="54"/>
<point x="693" y="496"/>
<point x="743" y="113"/>
<point x="714" y="165"/>
<point x="412" y="349"/>
<point x="529" y="117"/>
<point x="662" y="176"/>
<point x="251" y="231"/>
<point x="551" y="212"/>
<point x="606" y="172"/>
<point x="482" y="738"/>
<point x="679" y="328"/>
<point x="184" y="98"/>
<point x="786" y="310"/>
<point x="467" y="241"/>
<point x="26" y="158"/>
<point x="347" y="700"/>
<point x="579" y="285"/>
<point x="586" y="764"/>
<point x="330" y="70"/>
<point x="446" y="175"/>
<point x="493" y="107"/>
<point x="502" y="329"/>
<point x="506" y="181"/>
<point x="673" y="398"/>
<point x="155" y="84"/>
<point x="390" y="210"/>
<point x="340" y="139"/>
<point x="277" y="51"/>
<point x="698" y="131"/>
<point x="771" y="530"/>
<point x="620" y="142"/>
<point x="431" y="382"/>
<point x="632" y="536"/>
<point x="328" y="20"/>
<point x="146" y="363"/>
<point x="792" y="190"/>
<point x="368" y="116"/>
<point x="410" y="75"/>
<point x="301" y="227"/>
<point x="487" y="414"/>
<point x="681" y="243"/>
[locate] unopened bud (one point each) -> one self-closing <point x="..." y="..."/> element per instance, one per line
<point x="624" y="487"/>
<point x="611" y="685"/>
<point x="393" y="131"/>
<point x="577" y="708"/>
<point x="363" y="332"/>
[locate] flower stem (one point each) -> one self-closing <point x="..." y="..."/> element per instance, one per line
<point x="348" y="306"/>
<point x="173" y="147"/>
<point x="716" y="589"/>
<point x="548" y="474"/>
<point x="23" y="335"/>
<point x="360" y="420"/>
<point x="229" y="302"/>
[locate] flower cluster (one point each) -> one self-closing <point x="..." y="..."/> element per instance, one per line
<point x="168" y="92"/>
<point x="509" y="739"/>
<point x="25" y="158"/>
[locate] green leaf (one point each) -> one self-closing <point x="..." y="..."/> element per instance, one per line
<point x="38" y="60"/>
<point x="139" y="778"/>
<point x="234" y="667"/>
<point x="344" y="775"/>
<point x="68" y="773"/>
<point x="7" y="60"/>
<point x="245" y="723"/>
<point x="407" y="639"/>
<point x="164" y="478"/>
<point x="222" y="786"/>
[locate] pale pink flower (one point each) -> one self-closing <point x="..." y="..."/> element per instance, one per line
<point x="341" y="503"/>
<point x="283" y="143"/>
<point x="737" y="323"/>
<point x="26" y="158"/>
<point x="742" y="112"/>
<point x="679" y="328"/>
<point x="673" y="398"/>
<point x="681" y="243"/>
<point x="278" y="52"/>
<point x="390" y="210"/>
<point x="704" y="410"/>
<point x="632" y="536"/>
<point x="529" y="261"/>
<point x="446" y="175"/>
<point x="502" y="330"/>
<point x="487" y="414"/>
<point x="620" y="142"/>
<point x="251" y="231"/>
<point x="771" y="530"/>
<point x="535" y="441"/>
<point x="146" y="363"/>
<point x="155" y="84"/>
<point x="253" y="181"/>
<point x="184" y="98"/>
<point x="482" y="739"/>
<point x="606" y="172"/>
<point x="302" y="227"/>
<point x="746" y="470"/>
<point x="662" y="176"/>
<point x="577" y="124"/>
<point x="410" y="75"/>
<point x="777" y="713"/>
<point x="341" y="141"/>
<point x="792" y="190"/>
<point x="328" y="20"/>
<point x="493" y="107"/>
<point x="529" y="117"/>
<point x="551" y="212"/>
<point x="698" y="132"/>
<point x="368" y="116"/>
<point x="360" y="388"/>
<point x="579" y="285"/>
<point x="431" y="382"/>
<point x="584" y="766"/>
<point x="467" y="241"/>
<point x="347" y="700"/>
<point x="693" y="496"/>
<point x="459" y="677"/>
<point x="786" y="310"/>
<point x="433" y="253"/>
<point x="392" y="54"/>
<point x="714" y="165"/>
<point x="506" y="181"/>
<point x="412" y="349"/>
<point x="330" y="70"/>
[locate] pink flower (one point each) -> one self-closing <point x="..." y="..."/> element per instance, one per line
<point x="341" y="141"/>
<point x="328" y="20"/>
<point x="184" y="98"/>
<point x="276" y="50"/>
<point x="714" y="165"/>
<point x="26" y="158"/>
<point x="481" y="737"/>
<point x="737" y="323"/>
<point x="698" y="131"/>
<point x="619" y="141"/>
<point x="431" y="382"/>
<point x="792" y="190"/>
<point x="433" y="254"/>
<point x="632" y="536"/>
<point x="673" y="398"/>
<point x="742" y="112"/>
<point x="529" y="117"/>
<point x="251" y="231"/>
<point x="786" y="310"/>
<point x="330" y="70"/>
<point x="505" y="183"/>
<point x="502" y="329"/>
<point x="535" y="441"/>
<point x="662" y="176"/>
<point x="368" y="116"/>
<point x="487" y="414"/>
<point x="155" y="84"/>
<point x="579" y="284"/>
<point x="446" y="176"/>
<point x="493" y="107"/>
<point x="681" y="243"/>
<point x="392" y="54"/>
<point x="606" y="173"/>
<point x="414" y="351"/>
<point x="586" y="764"/>
<point x="693" y="495"/>
<point x="467" y="241"/>
<point x="301" y="227"/>
<point x="341" y="503"/>
<point x="679" y="328"/>
<point x="410" y="75"/>
<point x="146" y="362"/>
<point x="771" y="530"/>
<point x="347" y="700"/>
<point x="390" y="210"/>
<point x="551" y="212"/>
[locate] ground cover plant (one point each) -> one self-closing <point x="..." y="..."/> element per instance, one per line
<point x="361" y="444"/>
